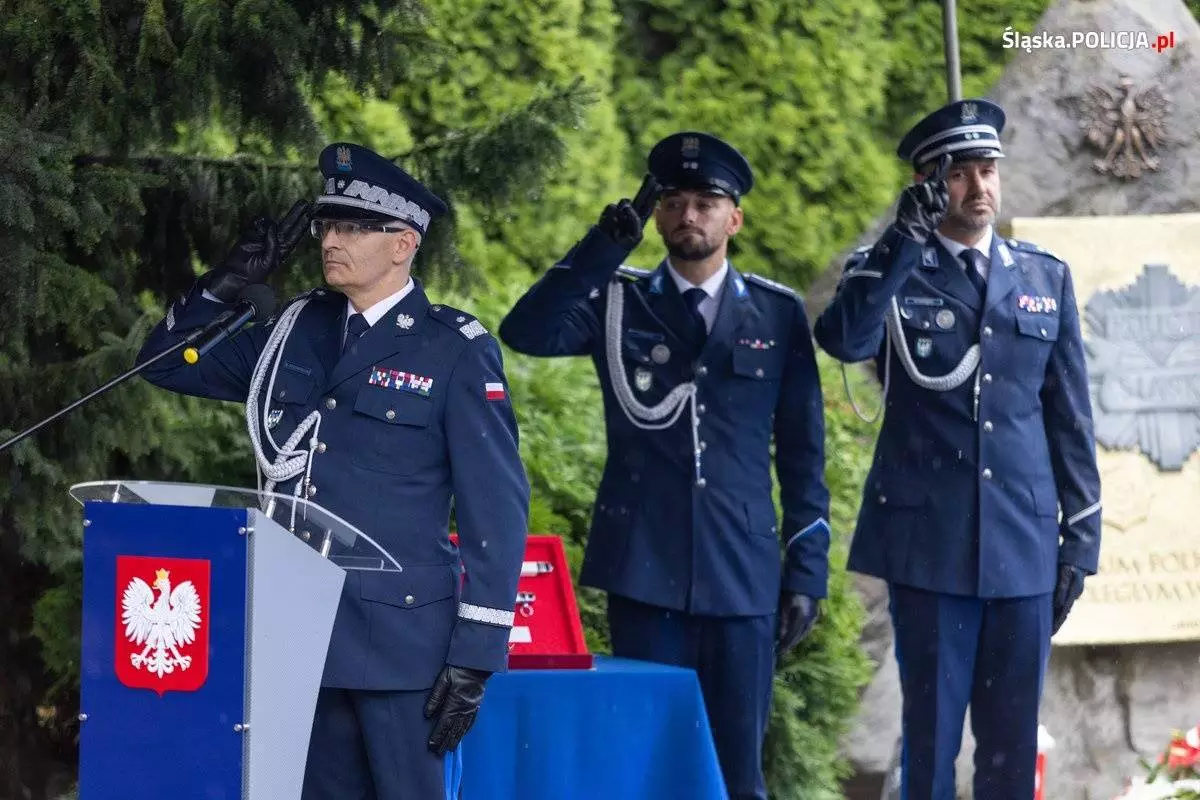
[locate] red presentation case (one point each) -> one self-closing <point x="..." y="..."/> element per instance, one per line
<point x="547" y="632"/>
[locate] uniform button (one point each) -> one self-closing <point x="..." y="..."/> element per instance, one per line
<point x="320" y="447"/>
<point x="701" y="483"/>
<point x="882" y="498"/>
<point x="436" y="308"/>
<point x="1043" y="331"/>
<point x="987" y="426"/>
<point x="283" y="392"/>
<point x="758" y="373"/>
<point x="409" y="600"/>
<point x="330" y="403"/>
<point x="312" y="490"/>
<point x="700" y="408"/>
<point x="987" y="377"/>
<point x="391" y="414"/>
<point x="987" y="330"/>
<point x="925" y="324"/>
<point x="703" y="446"/>
<point x="701" y="370"/>
<point x="987" y="474"/>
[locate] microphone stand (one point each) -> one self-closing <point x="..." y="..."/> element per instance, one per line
<point x="191" y="337"/>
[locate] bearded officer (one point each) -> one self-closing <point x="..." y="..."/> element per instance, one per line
<point x="413" y="411"/>
<point x="987" y="434"/>
<point x="700" y="367"/>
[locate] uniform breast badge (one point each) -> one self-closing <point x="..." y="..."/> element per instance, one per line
<point x="945" y="319"/>
<point x="1037" y="305"/>
<point x="924" y="347"/>
<point x="404" y="322"/>
<point x="642" y="379"/>
<point x="273" y="418"/>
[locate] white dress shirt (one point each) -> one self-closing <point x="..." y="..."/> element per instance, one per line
<point x="378" y="310"/>
<point x="713" y="287"/>
<point x="956" y="249"/>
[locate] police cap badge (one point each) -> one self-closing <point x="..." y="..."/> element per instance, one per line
<point x="696" y="160"/>
<point x="965" y="129"/>
<point x="360" y="184"/>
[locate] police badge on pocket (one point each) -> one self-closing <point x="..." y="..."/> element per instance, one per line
<point x="924" y="347"/>
<point x="642" y="379"/>
<point x="273" y="418"/>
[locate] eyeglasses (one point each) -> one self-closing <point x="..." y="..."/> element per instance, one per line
<point x="346" y="228"/>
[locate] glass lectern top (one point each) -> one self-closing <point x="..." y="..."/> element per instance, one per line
<point x="316" y="526"/>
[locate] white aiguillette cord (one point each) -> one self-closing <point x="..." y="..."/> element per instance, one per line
<point x="670" y="408"/>
<point x="894" y="338"/>
<point x="289" y="461"/>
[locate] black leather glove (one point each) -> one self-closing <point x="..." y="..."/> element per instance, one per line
<point x="455" y="698"/>
<point x="1066" y="592"/>
<point x="262" y="248"/>
<point x="923" y="205"/>
<point x="797" y="615"/>
<point x="621" y="223"/>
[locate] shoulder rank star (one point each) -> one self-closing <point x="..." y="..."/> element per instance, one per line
<point x="404" y="322"/>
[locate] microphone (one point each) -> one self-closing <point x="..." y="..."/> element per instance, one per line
<point x="256" y="303"/>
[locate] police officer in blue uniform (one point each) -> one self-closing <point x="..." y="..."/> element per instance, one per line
<point x="411" y="409"/>
<point x="700" y="368"/>
<point x="986" y="436"/>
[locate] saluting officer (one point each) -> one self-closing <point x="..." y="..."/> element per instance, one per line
<point x="700" y="367"/>
<point x="987" y="433"/>
<point x="410" y="405"/>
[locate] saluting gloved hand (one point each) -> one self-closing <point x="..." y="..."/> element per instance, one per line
<point x="455" y="698"/>
<point x="923" y="205"/>
<point x="797" y="615"/>
<point x="621" y="223"/>
<point x="262" y="248"/>
<point x="1066" y="592"/>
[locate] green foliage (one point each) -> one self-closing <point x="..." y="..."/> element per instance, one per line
<point x="788" y="84"/>
<point x="916" y="62"/>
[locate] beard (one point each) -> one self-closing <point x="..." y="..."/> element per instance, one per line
<point x="690" y="248"/>
<point x="972" y="219"/>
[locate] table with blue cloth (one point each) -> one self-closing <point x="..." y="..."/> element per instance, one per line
<point x="623" y="730"/>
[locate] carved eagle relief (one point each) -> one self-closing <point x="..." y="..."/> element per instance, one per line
<point x="1127" y="125"/>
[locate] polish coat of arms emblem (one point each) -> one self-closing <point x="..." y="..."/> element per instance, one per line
<point x="162" y="623"/>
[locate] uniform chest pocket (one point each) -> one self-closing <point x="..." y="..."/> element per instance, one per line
<point x="1038" y="326"/>
<point x="391" y="431"/>
<point x="292" y="387"/>
<point x="639" y="346"/>
<point x="758" y="364"/>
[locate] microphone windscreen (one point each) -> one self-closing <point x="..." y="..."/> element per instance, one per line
<point x="262" y="298"/>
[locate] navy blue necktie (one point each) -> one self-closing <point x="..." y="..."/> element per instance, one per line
<point x="975" y="260"/>
<point x="694" y="297"/>
<point x="356" y="326"/>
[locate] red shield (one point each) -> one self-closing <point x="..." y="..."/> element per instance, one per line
<point x="163" y="609"/>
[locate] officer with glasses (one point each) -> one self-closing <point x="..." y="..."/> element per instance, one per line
<point x="413" y="412"/>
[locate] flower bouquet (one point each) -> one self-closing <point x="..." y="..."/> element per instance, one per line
<point x="1176" y="774"/>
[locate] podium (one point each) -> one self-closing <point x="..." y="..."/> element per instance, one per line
<point x="207" y="614"/>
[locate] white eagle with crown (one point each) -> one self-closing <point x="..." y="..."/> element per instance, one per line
<point x="162" y="625"/>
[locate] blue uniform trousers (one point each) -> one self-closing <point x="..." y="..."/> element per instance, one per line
<point x="734" y="658"/>
<point x="991" y="654"/>
<point x="371" y="745"/>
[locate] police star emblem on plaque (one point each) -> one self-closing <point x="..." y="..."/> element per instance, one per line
<point x="1144" y="367"/>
